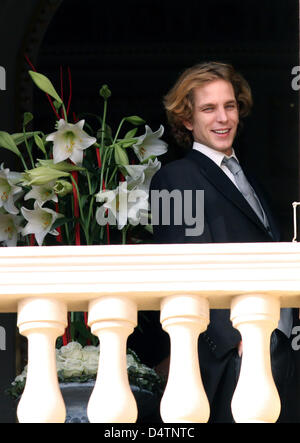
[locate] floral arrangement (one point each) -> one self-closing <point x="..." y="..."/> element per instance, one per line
<point x="80" y="185"/>
<point x="76" y="363"/>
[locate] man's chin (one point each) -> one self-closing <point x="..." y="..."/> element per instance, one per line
<point x="226" y="150"/>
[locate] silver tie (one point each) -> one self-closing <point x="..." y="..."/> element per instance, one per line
<point x="244" y="186"/>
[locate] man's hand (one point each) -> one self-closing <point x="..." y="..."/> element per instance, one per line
<point x="240" y="348"/>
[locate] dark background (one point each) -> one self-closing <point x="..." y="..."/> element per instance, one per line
<point x="138" y="48"/>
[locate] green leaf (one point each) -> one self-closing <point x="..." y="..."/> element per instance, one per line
<point x="127" y="143"/>
<point x="135" y="120"/>
<point x="7" y="142"/>
<point x="19" y="137"/>
<point x="27" y="118"/>
<point x="39" y="142"/>
<point x="131" y="133"/>
<point x="43" y="83"/>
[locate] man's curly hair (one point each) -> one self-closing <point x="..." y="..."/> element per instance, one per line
<point x="179" y="101"/>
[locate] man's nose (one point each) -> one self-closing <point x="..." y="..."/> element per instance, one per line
<point x="222" y="114"/>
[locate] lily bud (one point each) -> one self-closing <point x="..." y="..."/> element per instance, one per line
<point x="62" y="188"/>
<point x="121" y="157"/>
<point x="42" y="175"/>
<point x="135" y="120"/>
<point x="105" y="92"/>
<point x="61" y="166"/>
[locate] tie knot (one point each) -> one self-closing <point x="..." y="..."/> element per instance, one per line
<point x="232" y="164"/>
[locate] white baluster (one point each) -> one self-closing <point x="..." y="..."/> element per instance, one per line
<point x="184" y="400"/>
<point x="256" y="398"/>
<point x="41" y="321"/>
<point x="112" y="319"/>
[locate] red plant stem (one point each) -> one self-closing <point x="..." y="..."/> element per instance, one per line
<point x="108" y="234"/>
<point x="70" y="90"/>
<point x="59" y="237"/>
<point x="65" y="337"/>
<point x="98" y="157"/>
<point x="61" y="89"/>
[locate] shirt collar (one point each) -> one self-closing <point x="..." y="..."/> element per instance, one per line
<point x="214" y="155"/>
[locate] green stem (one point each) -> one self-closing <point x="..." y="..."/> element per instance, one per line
<point x="65" y="113"/>
<point x="118" y="130"/>
<point x="90" y="211"/>
<point x="24" y="163"/>
<point x="103" y="125"/>
<point x="124" y="234"/>
<point x="103" y="168"/>
<point x="28" y="148"/>
<point x="112" y="176"/>
<point x="78" y="196"/>
<point x="103" y="152"/>
<point x="67" y="233"/>
<point x="107" y="171"/>
<point x="89" y="181"/>
<point x="83" y="224"/>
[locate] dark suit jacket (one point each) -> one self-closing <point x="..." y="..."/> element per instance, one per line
<point x="228" y="218"/>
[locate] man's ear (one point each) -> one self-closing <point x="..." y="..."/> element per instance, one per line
<point x="188" y="125"/>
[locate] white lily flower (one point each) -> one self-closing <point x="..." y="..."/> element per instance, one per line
<point x="9" y="228"/>
<point x="150" y="144"/>
<point x="8" y="189"/>
<point x="138" y="205"/>
<point x="123" y="206"/>
<point x="42" y="193"/>
<point x="40" y="221"/>
<point x="136" y="175"/>
<point x="115" y="201"/>
<point x="69" y="141"/>
<point x="140" y="175"/>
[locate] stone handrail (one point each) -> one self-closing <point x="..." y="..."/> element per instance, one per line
<point x="184" y="281"/>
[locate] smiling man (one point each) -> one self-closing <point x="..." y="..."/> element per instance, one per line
<point x="215" y="117"/>
<point x="204" y="109"/>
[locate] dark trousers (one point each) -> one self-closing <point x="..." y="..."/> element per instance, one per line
<point x="220" y="377"/>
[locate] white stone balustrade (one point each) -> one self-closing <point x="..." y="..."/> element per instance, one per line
<point x="184" y="317"/>
<point x="113" y="282"/>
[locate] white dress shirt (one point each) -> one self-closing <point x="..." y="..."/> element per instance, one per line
<point x="217" y="157"/>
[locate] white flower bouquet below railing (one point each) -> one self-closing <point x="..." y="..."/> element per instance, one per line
<point x="77" y="363"/>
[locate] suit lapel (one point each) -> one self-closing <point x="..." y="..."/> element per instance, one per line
<point x="219" y="179"/>
<point x="261" y="195"/>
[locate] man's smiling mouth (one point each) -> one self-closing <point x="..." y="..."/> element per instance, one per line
<point x="221" y="131"/>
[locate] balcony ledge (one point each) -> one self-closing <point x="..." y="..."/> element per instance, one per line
<point x="149" y="273"/>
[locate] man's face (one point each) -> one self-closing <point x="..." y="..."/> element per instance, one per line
<point x="215" y="117"/>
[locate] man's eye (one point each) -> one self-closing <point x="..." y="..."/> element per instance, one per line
<point x="210" y="108"/>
